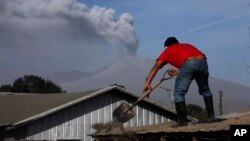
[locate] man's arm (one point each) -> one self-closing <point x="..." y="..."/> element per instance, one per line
<point x="158" y="65"/>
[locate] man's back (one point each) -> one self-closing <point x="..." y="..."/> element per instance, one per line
<point x="176" y="54"/>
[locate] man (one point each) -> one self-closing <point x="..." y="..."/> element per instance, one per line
<point x="191" y="65"/>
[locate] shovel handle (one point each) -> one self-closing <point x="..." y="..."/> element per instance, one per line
<point x="143" y="96"/>
<point x="155" y="86"/>
<point x="148" y="92"/>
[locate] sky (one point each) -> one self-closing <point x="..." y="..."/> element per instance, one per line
<point x="45" y="36"/>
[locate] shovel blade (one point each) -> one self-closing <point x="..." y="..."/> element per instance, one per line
<point x="121" y="114"/>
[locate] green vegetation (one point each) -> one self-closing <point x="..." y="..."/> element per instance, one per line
<point x="31" y="84"/>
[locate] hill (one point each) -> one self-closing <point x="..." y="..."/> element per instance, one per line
<point x="131" y="72"/>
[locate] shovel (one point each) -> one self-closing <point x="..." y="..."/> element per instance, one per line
<point x="124" y="112"/>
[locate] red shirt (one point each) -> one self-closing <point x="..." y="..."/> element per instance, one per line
<point x="176" y="54"/>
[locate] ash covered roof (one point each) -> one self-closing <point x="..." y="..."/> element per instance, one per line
<point x="17" y="109"/>
<point x="223" y="125"/>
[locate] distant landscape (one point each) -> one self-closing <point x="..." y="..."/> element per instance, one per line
<point x="131" y="72"/>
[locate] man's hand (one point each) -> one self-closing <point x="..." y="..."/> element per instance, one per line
<point x="172" y="72"/>
<point x="147" y="88"/>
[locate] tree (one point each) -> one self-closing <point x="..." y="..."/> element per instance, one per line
<point x="6" y="88"/>
<point x="196" y="111"/>
<point x="18" y="85"/>
<point x="33" y="84"/>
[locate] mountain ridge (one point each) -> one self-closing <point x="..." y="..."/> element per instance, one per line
<point x="132" y="71"/>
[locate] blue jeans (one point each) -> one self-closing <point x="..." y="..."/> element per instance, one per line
<point x="192" y="69"/>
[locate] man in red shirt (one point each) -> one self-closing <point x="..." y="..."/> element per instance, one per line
<point x="191" y="65"/>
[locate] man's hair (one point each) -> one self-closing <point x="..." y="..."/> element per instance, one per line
<point x="170" y="40"/>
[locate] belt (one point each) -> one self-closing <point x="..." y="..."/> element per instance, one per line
<point x="197" y="57"/>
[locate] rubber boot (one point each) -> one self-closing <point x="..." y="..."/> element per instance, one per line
<point x="210" y="109"/>
<point x="181" y="111"/>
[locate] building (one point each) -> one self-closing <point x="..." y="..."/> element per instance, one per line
<point x="70" y="116"/>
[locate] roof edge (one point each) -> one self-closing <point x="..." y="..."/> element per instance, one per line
<point x="58" y="108"/>
<point x="98" y="92"/>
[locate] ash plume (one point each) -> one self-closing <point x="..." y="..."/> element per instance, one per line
<point x="60" y="35"/>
